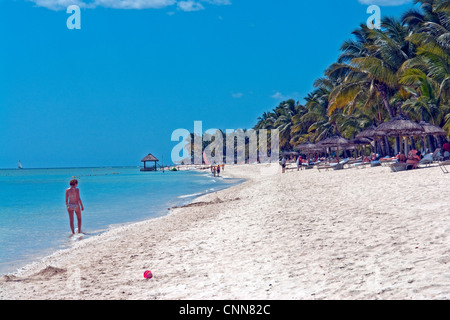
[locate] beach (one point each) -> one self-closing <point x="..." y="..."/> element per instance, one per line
<point x="345" y="234"/>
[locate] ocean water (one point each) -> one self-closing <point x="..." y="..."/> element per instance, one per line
<point x="33" y="217"/>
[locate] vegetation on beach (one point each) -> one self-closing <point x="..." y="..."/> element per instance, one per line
<point x="401" y="69"/>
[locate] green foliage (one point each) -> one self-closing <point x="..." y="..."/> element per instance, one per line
<point x="402" y="68"/>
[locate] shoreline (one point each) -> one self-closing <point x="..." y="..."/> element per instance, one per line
<point x="347" y="234"/>
<point x="16" y="266"/>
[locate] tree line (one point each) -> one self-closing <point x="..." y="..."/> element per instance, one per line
<point x="403" y="68"/>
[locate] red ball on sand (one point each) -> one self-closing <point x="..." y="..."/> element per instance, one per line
<point x="148" y="274"/>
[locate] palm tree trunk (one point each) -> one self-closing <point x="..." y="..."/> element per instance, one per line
<point x="383" y="91"/>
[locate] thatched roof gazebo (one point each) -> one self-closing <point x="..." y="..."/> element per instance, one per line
<point x="149" y="158"/>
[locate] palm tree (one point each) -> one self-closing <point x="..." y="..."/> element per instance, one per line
<point x="373" y="73"/>
<point x="423" y="105"/>
<point x="265" y="121"/>
<point x="429" y="71"/>
<point x="402" y="68"/>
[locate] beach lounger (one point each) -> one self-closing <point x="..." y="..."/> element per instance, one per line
<point x="338" y="166"/>
<point x="399" y="166"/>
<point x="361" y="165"/>
<point x="351" y="163"/>
<point x="437" y="156"/>
<point x="443" y="165"/>
<point x="387" y="161"/>
<point x="426" y="161"/>
<point x="375" y="163"/>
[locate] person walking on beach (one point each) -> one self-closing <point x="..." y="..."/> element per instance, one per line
<point x="283" y="164"/>
<point x="218" y="170"/>
<point x="299" y="162"/>
<point x="74" y="204"/>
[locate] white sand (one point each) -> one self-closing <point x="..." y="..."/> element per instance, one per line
<point x="348" y="234"/>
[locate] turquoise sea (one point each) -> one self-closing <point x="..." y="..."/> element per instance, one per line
<point x="34" y="221"/>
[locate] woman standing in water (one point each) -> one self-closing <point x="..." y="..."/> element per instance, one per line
<point x="74" y="204"/>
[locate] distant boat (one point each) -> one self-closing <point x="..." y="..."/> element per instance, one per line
<point x="19" y="165"/>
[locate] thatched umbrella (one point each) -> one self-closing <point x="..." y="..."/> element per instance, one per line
<point x="399" y="126"/>
<point x="360" y="142"/>
<point x="335" y="141"/>
<point x="368" y="133"/>
<point x="309" y="148"/>
<point x="431" y="130"/>
<point x="305" y="146"/>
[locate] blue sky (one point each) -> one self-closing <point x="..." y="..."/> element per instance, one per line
<point x="115" y="90"/>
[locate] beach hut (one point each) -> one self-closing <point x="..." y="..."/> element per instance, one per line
<point x="149" y="158"/>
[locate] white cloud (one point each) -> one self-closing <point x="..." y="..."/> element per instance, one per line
<point x="385" y="2"/>
<point x="185" y="5"/>
<point x="278" y="96"/>
<point x="190" y="6"/>
<point x="237" y="95"/>
<point x="59" y="4"/>
<point x="283" y="97"/>
<point x="134" y="4"/>
<point x="218" y="2"/>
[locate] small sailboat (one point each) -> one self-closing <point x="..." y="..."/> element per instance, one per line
<point x="19" y="165"/>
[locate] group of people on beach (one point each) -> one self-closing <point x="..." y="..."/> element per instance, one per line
<point x="298" y="161"/>
<point x="413" y="158"/>
<point x="215" y="170"/>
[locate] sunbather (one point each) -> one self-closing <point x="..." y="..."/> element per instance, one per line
<point x="401" y="157"/>
<point x="414" y="158"/>
<point x="366" y="160"/>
